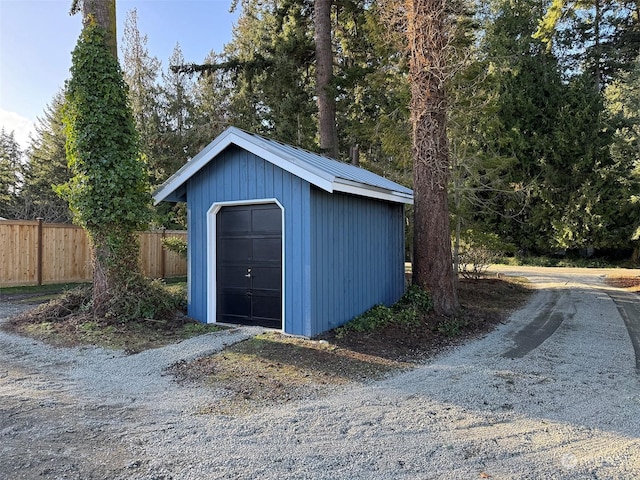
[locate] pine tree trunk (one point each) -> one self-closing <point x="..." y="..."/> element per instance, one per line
<point x="104" y="13"/>
<point x="324" y="75"/>
<point x="432" y="269"/>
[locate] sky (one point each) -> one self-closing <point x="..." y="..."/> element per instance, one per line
<point x="37" y="37"/>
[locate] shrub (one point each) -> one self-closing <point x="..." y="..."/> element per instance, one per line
<point x="451" y="327"/>
<point x="478" y="251"/>
<point x="408" y="311"/>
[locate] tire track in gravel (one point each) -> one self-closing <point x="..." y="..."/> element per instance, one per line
<point x="540" y="328"/>
<point x="629" y="309"/>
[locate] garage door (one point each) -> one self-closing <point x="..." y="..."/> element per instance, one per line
<point x="249" y="265"/>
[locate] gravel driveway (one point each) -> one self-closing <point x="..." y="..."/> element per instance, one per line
<point x="554" y="393"/>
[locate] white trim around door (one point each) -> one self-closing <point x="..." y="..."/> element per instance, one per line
<point x="212" y="286"/>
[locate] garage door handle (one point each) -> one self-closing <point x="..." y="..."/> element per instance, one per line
<point x="248" y="275"/>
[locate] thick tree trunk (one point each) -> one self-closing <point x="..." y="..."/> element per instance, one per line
<point x="104" y="281"/>
<point x="432" y="269"/>
<point x="104" y="12"/>
<point x="324" y="76"/>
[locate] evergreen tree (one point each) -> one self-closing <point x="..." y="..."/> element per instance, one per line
<point x="211" y="98"/>
<point x="174" y="144"/>
<point x="270" y="62"/>
<point x="567" y="191"/>
<point x="372" y="90"/>
<point x="523" y="89"/>
<point x="623" y="103"/>
<point x="10" y="167"/>
<point x="590" y="189"/>
<point x="47" y="167"/>
<point x="325" y="94"/>
<point x="597" y="37"/>
<point x="141" y="72"/>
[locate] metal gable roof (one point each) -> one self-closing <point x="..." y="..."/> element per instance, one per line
<point x="325" y="173"/>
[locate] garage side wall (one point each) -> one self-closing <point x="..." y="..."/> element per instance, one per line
<point x="358" y="256"/>
<point x="236" y="175"/>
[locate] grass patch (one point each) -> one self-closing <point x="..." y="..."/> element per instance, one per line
<point x="39" y="289"/>
<point x="66" y="321"/>
<point x="35" y="294"/>
<point x="271" y="369"/>
<point x="131" y="337"/>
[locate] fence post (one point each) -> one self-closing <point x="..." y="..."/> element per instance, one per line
<point x="39" y="254"/>
<point x="162" y="253"/>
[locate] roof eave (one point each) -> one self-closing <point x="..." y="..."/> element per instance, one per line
<point x="373" y="192"/>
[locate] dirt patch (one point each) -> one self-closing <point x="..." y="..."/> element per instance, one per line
<point x="273" y="369"/>
<point x="629" y="283"/>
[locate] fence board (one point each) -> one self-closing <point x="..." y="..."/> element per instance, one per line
<point x="66" y="254"/>
<point x="18" y="253"/>
<point x="175" y="265"/>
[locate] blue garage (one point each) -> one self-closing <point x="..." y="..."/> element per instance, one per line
<point x="285" y="238"/>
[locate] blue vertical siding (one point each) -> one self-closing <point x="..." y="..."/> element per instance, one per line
<point x="237" y="175"/>
<point x="358" y="256"/>
<point x="342" y="253"/>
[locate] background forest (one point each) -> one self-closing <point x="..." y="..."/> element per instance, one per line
<point x="544" y="113"/>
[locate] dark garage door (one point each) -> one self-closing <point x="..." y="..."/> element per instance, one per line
<point x="249" y="265"/>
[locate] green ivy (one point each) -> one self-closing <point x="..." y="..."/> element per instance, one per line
<point x="176" y="245"/>
<point x="108" y="192"/>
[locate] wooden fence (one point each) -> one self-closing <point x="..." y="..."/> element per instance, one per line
<point x="36" y="253"/>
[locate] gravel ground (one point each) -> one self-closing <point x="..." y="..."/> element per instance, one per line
<point x="498" y="407"/>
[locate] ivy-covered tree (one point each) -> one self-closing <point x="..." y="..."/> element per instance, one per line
<point x="108" y="193"/>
